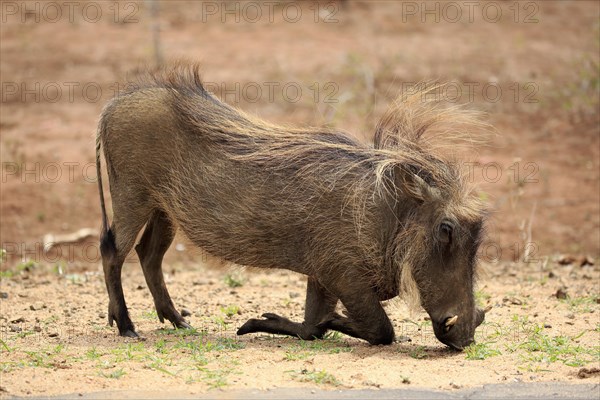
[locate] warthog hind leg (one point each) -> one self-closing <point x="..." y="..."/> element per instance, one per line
<point x="115" y="245"/>
<point x="155" y="241"/>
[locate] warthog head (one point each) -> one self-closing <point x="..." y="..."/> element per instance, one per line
<point x="440" y="218"/>
<point x="444" y="238"/>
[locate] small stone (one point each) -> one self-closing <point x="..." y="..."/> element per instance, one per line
<point x="293" y="295"/>
<point x="573" y="274"/>
<point x="513" y="300"/>
<point x="551" y="274"/>
<point x="15" y="328"/>
<point x="38" y="305"/>
<point x="561" y="293"/>
<point x="101" y="315"/>
<point x="403" y="339"/>
<point x="52" y="334"/>
<point x="185" y="312"/>
<point x="37" y="328"/>
<point x="455" y="385"/>
<point x="3" y="295"/>
<point x="547" y="326"/>
<point x="586" y="261"/>
<point x="18" y="320"/>
<point x="570" y="316"/>
<point x="588" y="372"/>
<point x="566" y="260"/>
<point x="140" y="287"/>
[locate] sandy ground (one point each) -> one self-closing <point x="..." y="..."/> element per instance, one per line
<point x="54" y="329"/>
<point x="541" y="176"/>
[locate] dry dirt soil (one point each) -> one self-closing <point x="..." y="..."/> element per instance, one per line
<point x="533" y="67"/>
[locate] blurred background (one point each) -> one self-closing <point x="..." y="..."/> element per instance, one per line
<point x="533" y="67"/>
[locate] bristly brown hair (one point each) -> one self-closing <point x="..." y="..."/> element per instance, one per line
<point x="414" y="141"/>
<point x="421" y="115"/>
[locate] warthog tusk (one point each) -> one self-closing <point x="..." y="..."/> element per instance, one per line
<point x="487" y="309"/>
<point x="451" y="321"/>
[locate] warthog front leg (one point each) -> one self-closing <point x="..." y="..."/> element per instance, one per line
<point x="366" y="318"/>
<point x="319" y="304"/>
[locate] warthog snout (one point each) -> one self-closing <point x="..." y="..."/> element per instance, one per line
<point x="456" y="330"/>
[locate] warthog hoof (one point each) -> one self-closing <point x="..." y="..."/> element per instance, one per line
<point x="182" y="325"/>
<point x="129" y="333"/>
<point x="257" y="325"/>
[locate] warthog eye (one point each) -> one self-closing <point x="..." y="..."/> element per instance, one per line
<point x="446" y="232"/>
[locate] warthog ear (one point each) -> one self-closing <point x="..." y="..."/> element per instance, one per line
<point x="413" y="185"/>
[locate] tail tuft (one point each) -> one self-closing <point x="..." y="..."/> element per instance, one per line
<point x="108" y="247"/>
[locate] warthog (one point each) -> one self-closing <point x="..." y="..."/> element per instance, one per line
<point x="364" y="222"/>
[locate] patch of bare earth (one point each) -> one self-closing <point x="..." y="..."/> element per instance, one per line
<point x="54" y="329"/>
